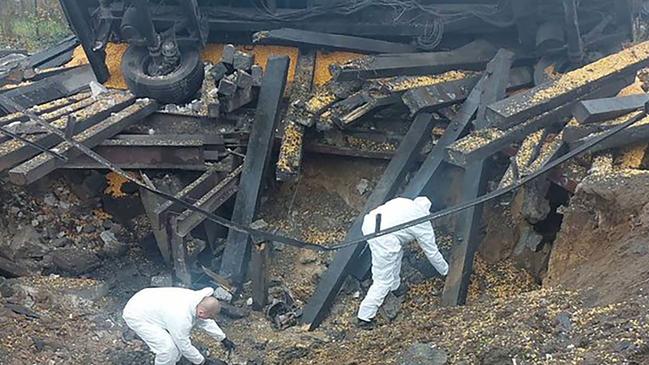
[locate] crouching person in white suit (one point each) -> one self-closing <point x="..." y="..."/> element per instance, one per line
<point x="164" y="317"/>
<point x="387" y="251"/>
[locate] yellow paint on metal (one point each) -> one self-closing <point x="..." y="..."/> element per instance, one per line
<point x="212" y="53"/>
<point x="114" y="53"/>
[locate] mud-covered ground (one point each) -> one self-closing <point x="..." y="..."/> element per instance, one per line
<point x="75" y="319"/>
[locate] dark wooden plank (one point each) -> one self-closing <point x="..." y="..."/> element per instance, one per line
<point x="473" y="56"/>
<point x="260" y="143"/>
<point x="290" y="152"/>
<point x="211" y="201"/>
<point x="568" y="88"/>
<point x="484" y="143"/>
<point x="598" y="110"/>
<point x="298" y="37"/>
<point x="65" y="83"/>
<point x="638" y="132"/>
<point x="434" y="97"/>
<point x="393" y="176"/>
<point x="179" y="254"/>
<point x="43" y="164"/>
<point x="259" y="262"/>
<point x="191" y="192"/>
<point x="420" y="183"/>
<point x="14" y="152"/>
<point x="150" y="202"/>
<point x="467" y="234"/>
<point x="185" y="157"/>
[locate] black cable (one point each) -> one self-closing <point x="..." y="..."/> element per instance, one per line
<point x="24" y="140"/>
<point x="319" y="247"/>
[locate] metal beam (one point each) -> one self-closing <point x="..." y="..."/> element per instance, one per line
<point x="80" y="23"/>
<point x="260" y="143"/>
<point x="298" y="37"/>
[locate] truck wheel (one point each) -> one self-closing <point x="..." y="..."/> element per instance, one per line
<point x="178" y="87"/>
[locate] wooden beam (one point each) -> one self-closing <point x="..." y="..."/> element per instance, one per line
<point x="598" y="110"/>
<point x="150" y="202"/>
<point x="467" y="234"/>
<point x="570" y="87"/>
<point x="211" y="201"/>
<point x="420" y="183"/>
<point x="393" y="176"/>
<point x="638" y="132"/>
<point x="179" y="254"/>
<point x="473" y="56"/>
<point x="43" y="164"/>
<point x="494" y="79"/>
<point x="14" y="152"/>
<point x="484" y="143"/>
<point x="290" y="152"/>
<point x="260" y="143"/>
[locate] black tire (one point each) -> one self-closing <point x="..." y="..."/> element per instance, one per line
<point x="178" y="87"/>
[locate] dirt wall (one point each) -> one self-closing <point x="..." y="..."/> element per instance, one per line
<point x="603" y="244"/>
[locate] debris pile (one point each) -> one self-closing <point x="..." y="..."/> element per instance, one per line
<point x="211" y="190"/>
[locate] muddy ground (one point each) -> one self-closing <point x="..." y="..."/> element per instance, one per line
<point x="60" y="318"/>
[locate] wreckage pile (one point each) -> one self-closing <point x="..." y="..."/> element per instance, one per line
<point x="453" y="124"/>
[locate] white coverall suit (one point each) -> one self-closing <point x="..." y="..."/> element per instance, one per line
<point x="387" y="251"/>
<point x="164" y="318"/>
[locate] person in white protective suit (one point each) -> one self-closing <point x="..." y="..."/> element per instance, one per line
<point x="387" y="251"/>
<point x="164" y="317"/>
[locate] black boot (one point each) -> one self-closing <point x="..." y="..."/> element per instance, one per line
<point x="365" y="325"/>
<point x="401" y="290"/>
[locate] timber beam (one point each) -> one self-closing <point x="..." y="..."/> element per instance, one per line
<point x="637" y="132"/>
<point x="496" y="76"/>
<point x="486" y="142"/>
<point x="260" y="143"/>
<point x="14" y="152"/>
<point x="43" y="164"/>
<point x="467" y="234"/>
<point x="598" y="110"/>
<point x="211" y="201"/>
<point x="473" y="56"/>
<point x="290" y="152"/>
<point x="570" y="87"/>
